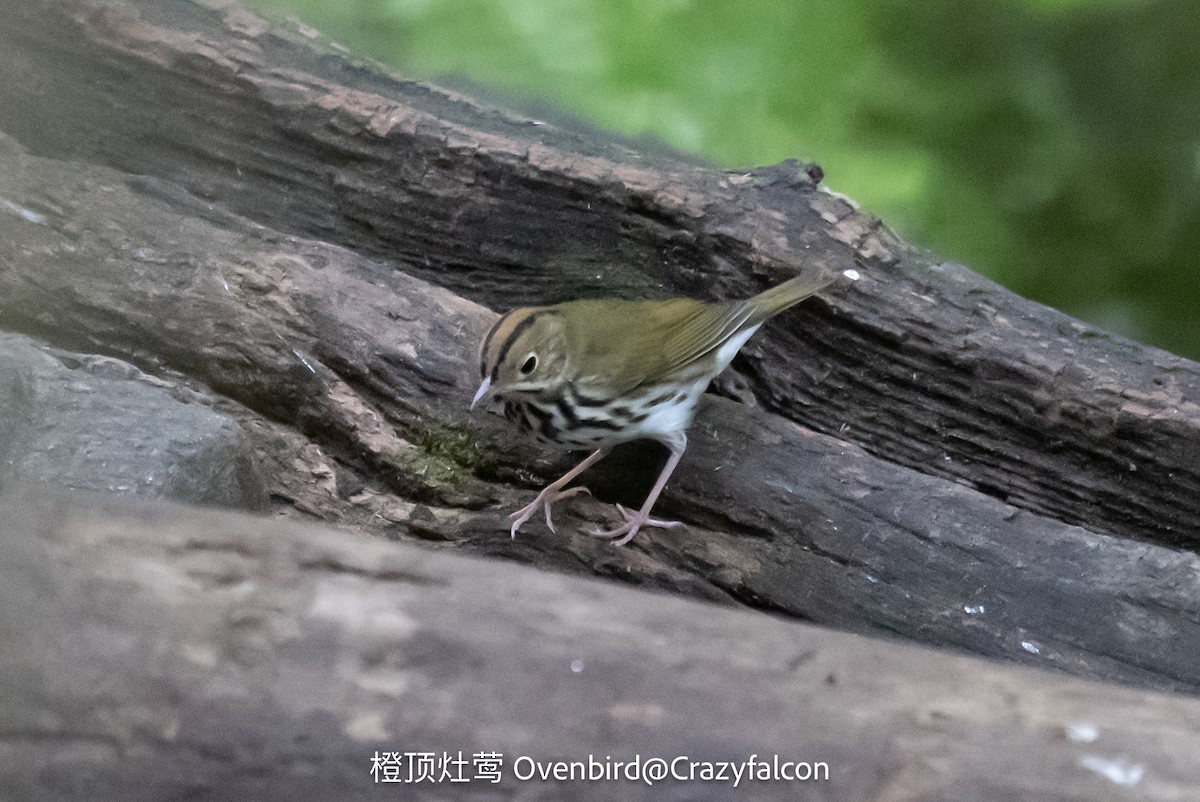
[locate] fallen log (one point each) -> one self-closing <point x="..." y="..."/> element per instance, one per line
<point x="229" y="224"/>
<point x="313" y="245"/>
<point x="352" y="381"/>
<point x="922" y="363"/>
<point x="158" y="652"/>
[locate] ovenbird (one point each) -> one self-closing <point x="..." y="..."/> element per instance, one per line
<point x="595" y="373"/>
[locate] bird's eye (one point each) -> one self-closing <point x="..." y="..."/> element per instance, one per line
<point x="529" y="364"/>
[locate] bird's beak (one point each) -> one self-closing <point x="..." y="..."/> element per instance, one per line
<point x="483" y="392"/>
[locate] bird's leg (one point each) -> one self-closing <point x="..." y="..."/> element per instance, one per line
<point x="677" y="442"/>
<point x="553" y="492"/>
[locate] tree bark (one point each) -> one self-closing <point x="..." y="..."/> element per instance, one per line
<point x="923" y="363"/>
<point x="236" y="207"/>
<point x="163" y="653"/>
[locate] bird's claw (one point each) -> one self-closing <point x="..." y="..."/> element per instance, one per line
<point x="633" y="522"/>
<point x="544" y="499"/>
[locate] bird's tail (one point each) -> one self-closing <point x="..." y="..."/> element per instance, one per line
<point x="766" y="304"/>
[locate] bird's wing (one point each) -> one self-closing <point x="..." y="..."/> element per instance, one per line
<point x="696" y="334"/>
<point x="631" y="343"/>
<point x="625" y="344"/>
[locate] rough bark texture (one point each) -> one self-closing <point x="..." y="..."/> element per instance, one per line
<point x="926" y="364"/>
<point x="290" y="256"/>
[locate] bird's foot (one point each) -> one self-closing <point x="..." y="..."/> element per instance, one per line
<point x="544" y="499"/>
<point x="633" y="522"/>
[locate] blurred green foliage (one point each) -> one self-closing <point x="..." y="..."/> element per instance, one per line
<point x="1051" y="144"/>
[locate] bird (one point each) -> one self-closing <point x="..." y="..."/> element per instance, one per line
<point x="599" y="372"/>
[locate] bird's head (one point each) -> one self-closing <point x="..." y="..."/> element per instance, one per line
<point x="524" y="352"/>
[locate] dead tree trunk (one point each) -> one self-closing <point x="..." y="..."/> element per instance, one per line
<point x="308" y="248"/>
<point x="158" y="653"/>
